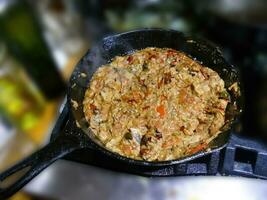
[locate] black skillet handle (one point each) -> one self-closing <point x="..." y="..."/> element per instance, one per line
<point x="20" y="174"/>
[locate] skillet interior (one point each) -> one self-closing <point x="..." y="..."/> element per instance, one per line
<point x="125" y="43"/>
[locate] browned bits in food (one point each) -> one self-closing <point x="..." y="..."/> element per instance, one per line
<point x="74" y="104"/>
<point x="150" y="146"/>
<point x="130" y="59"/>
<point x="93" y="107"/>
<point x="235" y="89"/>
<point x="156" y="104"/>
<point x="167" y="78"/>
<point x="146" y="107"/>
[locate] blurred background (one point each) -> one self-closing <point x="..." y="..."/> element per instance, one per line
<point x="41" y="41"/>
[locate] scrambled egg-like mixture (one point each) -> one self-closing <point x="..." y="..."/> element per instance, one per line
<point x="155" y="104"/>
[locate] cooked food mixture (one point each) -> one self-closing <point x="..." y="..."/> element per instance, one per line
<point x="155" y="104"/>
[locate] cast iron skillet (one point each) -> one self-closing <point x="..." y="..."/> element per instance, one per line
<point x="102" y="53"/>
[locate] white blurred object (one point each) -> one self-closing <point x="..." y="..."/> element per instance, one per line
<point x="6" y="132"/>
<point x="63" y="29"/>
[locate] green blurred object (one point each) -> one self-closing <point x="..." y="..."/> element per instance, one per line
<point x="22" y="34"/>
<point x="20" y="100"/>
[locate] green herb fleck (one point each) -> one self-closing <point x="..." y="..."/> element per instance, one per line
<point x="128" y="136"/>
<point x="224" y="95"/>
<point x="145" y="67"/>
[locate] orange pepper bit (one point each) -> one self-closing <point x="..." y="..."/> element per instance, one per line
<point x="198" y="148"/>
<point x="161" y="110"/>
<point x="126" y="149"/>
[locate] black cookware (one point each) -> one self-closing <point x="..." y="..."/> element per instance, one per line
<point x="102" y="53"/>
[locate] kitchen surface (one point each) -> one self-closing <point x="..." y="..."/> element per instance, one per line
<point x="68" y="180"/>
<point x="42" y="41"/>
